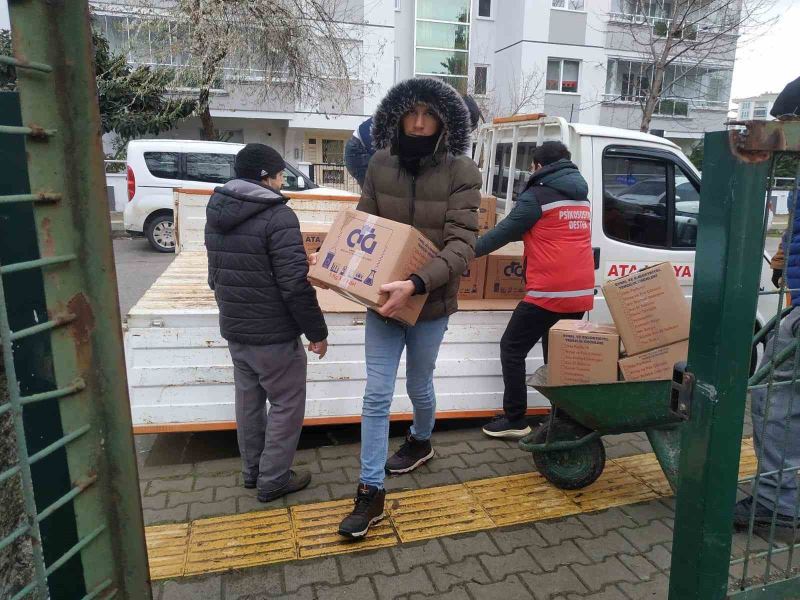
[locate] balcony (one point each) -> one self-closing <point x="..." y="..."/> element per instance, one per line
<point x="668" y="106"/>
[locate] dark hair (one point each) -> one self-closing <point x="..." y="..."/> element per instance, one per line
<point x="550" y="152"/>
<point x="475" y="114"/>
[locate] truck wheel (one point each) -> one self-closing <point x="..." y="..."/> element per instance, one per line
<point x="160" y="232"/>
<point x="569" y="469"/>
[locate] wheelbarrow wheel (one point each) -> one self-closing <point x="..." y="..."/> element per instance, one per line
<point x="569" y="469"/>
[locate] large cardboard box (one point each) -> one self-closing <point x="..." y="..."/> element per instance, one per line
<point x="581" y="352"/>
<point x="648" y="308"/>
<point x="362" y="252"/>
<point x="654" y="365"/>
<point x="313" y="235"/>
<point x="473" y="280"/>
<point x="487" y="214"/>
<point x="504" y="273"/>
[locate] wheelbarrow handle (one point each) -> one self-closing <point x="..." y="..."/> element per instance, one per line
<point x="528" y="446"/>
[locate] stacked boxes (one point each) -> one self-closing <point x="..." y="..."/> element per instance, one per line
<point x="651" y="318"/>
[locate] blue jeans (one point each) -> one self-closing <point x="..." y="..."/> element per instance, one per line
<point x="356" y="159"/>
<point x="384" y="343"/>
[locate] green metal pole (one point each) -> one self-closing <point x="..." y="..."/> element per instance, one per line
<point x="727" y="273"/>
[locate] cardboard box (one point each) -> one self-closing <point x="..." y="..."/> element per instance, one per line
<point x="473" y="280"/>
<point x="504" y="273"/>
<point x="648" y="308"/>
<point x="487" y="214"/>
<point x="654" y="365"/>
<point x="362" y="252"/>
<point x="581" y="352"/>
<point x="313" y="235"/>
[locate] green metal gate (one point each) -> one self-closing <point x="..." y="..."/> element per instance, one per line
<point x="77" y="334"/>
<point x="709" y="561"/>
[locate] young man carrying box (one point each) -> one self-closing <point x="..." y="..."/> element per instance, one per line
<point x="553" y="219"/>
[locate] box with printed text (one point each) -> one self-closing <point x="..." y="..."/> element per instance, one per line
<point x="473" y="280"/>
<point x="362" y="252"/>
<point x="648" y="308"/>
<point x="654" y="365"/>
<point x="313" y="235"/>
<point x="505" y="273"/>
<point x="581" y="352"/>
<point x="487" y="214"/>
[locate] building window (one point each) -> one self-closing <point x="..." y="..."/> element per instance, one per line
<point x="397" y="4"/>
<point x="569" y="4"/>
<point x="396" y="69"/>
<point x="684" y="85"/>
<point x="760" y="110"/>
<point x="562" y="75"/>
<point x="485" y="8"/>
<point x="442" y="41"/>
<point x="481" y="79"/>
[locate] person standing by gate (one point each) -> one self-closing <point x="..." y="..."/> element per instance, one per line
<point x="776" y="421"/>
<point x="552" y="218"/>
<point x="258" y="269"/>
<point x="420" y="176"/>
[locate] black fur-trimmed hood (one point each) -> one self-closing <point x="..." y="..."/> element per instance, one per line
<point x="443" y="99"/>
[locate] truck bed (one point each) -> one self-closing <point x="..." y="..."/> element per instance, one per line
<point x="180" y="375"/>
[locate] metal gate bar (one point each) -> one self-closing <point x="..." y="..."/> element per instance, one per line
<point x="61" y="117"/>
<point x="728" y="266"/>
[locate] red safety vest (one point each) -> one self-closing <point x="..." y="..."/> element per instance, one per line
<point x="559" y="261"/>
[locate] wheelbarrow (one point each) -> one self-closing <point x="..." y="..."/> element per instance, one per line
<point x="568" y="449"/>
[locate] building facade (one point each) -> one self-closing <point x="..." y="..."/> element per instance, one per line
<point x="755" y="108"/>
<point x="580" y="59"/>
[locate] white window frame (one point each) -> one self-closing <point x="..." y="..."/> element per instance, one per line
<point x="396" y="69"/>
<point x="478" y="9"/>
<point x="561" y="76"/>
<point x="417" y="47"/>
<point x="565" y="5"/>
<point x="397" y="5"/>
<point x="474" y="78"/>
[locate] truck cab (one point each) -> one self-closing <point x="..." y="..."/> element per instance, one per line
<point x="644" y="193"/>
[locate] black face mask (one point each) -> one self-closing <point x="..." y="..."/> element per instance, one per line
<point x="411" y="149"/>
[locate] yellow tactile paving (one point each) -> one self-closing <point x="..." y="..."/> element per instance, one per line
<point x="225" y="543"/>
<point x="166" y="549"/>
<point x="646" y="468"/>
<point x="316" y="526"/>
<point x="521" y="498"/>
<point x="615" y="488"/>
<point x="436" y="512"/>
<point x="307" y="531"/>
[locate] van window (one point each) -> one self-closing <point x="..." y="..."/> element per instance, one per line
<point x="635" y="200"/>
<point x="210" y="168"/>
<point x="165" y="165"/>
<point x="649" y="201"/>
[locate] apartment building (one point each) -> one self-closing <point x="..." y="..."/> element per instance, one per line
<point x="571" y="58"/>
<point x="755" y="108"/>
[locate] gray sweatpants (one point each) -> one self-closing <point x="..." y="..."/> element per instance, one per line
<point x="268" y="438"/>
<point x="784" y="408"/>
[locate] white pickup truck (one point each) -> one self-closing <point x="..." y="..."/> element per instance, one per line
<point x="645" y="202"/>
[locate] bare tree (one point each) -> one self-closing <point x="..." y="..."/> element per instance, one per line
<point x="685" y="50"/>
<point x="302" y="52"/>
<point x="521" y="93"/>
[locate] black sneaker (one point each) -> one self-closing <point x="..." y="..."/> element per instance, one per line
<point x="763" y="515"/>
<point x="248" y="482"/>
<point x="298" y="480"/>
<point x="368" y="511"/>
<point x="501" y="427"/>
<point x="411" y="454"/>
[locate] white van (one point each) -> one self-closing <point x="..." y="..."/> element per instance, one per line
<point x="157" y="167"/>
<point x="645" y="194"/>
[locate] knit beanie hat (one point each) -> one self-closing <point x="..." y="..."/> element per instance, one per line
<point x="256" y="161"/>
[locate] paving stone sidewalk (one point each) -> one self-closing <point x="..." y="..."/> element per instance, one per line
<point x="622" y="553"/>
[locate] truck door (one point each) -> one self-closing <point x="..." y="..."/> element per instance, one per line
<point x="646" y="202"/>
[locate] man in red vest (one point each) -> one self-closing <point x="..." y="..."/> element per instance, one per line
<point x="552" y="217"/>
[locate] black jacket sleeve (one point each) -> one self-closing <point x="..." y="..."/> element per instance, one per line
<point x="290" y="266"/>
<point x="522" y="217"/>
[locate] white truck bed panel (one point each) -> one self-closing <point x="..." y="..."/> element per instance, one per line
<point x="180" y="375"/>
